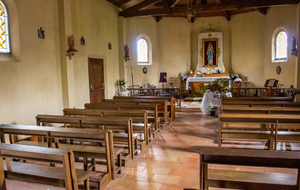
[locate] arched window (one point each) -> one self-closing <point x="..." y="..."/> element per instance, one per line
<point x="281" y="45"/>
<point x="4" y="30"/>
<point x="142" y="51"/>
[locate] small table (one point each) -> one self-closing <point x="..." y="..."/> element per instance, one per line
<point x="212" y="99"/>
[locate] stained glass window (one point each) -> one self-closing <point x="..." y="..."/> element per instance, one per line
<point x="142" y="51"/>
<point x="281" y="46"/>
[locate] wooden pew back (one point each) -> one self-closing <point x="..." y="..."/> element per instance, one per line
<point x="72" y="133"/>
<point x="65" y="157"/>
<point x="172" y="100"/>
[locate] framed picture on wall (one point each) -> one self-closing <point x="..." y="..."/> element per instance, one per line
<point x="210" y="52"/>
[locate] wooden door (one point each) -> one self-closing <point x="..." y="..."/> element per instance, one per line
<point x="96" y="80"/>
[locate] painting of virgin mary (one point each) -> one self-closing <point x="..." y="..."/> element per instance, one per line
<point x="210" y="52"/>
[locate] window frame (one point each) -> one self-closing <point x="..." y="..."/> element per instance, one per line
<point x="9" y="52"/>
<point x="148" y="40"/>
<point x="148" y="59"/>
<point x="276" y="46"/>
<point x="276" y="32"/>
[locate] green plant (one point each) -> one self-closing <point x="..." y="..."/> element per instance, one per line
<point x="206" y="86"/>
<point x="223" y="82"/>
<point x="121" y="82"/>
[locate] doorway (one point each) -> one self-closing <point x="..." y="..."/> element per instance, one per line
<point x="96" y="80"/>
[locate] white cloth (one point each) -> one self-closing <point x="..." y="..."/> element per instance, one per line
<point x="201" y="79"/>
<point x="210" y="99"/>
<point x="124" y="93"/>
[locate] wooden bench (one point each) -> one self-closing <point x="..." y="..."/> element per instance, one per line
<point x="117" y="124"/>
<point x="247" y="180"/>
<point x="136" y="116"/>
<point x="162" y="106"/>
<point x="147" y="108"/>
<point x="291" y="99"/>
<point x="252" y="103"/>
<point x="171" y="100"/>
<point x="66" y="176"/>
<point x="260" y="109"/>
<point x="270" y="119"/>
<point x="106" y="153"/>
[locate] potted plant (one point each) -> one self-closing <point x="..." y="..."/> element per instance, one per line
<point x="121" y="83"/>
<point x="212" y="109"/>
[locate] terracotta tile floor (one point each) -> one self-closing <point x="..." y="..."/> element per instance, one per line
<point x="170" y="162"/>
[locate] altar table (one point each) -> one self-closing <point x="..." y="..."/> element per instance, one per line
<point x="203" y="80"/>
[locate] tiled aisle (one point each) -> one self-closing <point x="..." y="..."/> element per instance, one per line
<point x="168" y="162"/>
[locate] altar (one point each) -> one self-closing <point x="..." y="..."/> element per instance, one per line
<point x="197" y="83"/>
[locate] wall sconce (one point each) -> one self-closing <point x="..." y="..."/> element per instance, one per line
<point x="127" y="57"/>
<point x="109" y="46"/>
<point x="294" y="50"/>
<point x="71" y="52"/>
<point x="41" y="33"/>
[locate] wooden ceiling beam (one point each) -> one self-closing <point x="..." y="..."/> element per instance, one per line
<point x="244" y="4"/>
<point x="227" y="15"/>
<point x="137" y="7"/>
<point x="167" y="6"/>
<point x="219" y="1"/>
<point x="173" y="3"/>
<point x="263" y="10"/>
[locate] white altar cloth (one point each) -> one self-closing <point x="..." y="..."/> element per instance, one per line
<point x="212" y="99"/>
<point x="201" y="79"/>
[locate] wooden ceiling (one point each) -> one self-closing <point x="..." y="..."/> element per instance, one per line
<point x="201" y="8"/>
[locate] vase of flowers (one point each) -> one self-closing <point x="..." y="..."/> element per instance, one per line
<point x="121" y="84"/>
<point x="212" y="109"/>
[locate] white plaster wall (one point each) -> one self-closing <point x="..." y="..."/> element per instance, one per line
<point x="246" y="45"/>
<point x="32" y="85"/>
<point x="97" y="21"/>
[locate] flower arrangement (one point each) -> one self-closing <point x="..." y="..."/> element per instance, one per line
<point x="234" y="76"/>
<point x="238" y="80"/>
<point x="198" y="74"/>
<point x="206" y="86"/>
<point x="121" y="84"/>
<point x="212" y="108"/>
<point x="219" y="71"/>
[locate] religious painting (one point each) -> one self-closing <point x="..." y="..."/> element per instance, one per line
<point x="210" y="52"/>
<point x="162" y="77"/>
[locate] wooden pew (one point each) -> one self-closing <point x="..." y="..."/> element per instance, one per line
<point x="117" y="124"/>
<point x="136" y="116"/>
<point x="171" y="100"/>
<point x="291" y="99"/>
<point x="107" y="153"/>
<point x="255" y="101"/>
<point x="162" y="105"/>
<point x="147" y="108"/>
<point x="66" y="176"/>
<point x="260" y="109"/>
<point x="271" y="119"/>
<point x="248" y="180"/>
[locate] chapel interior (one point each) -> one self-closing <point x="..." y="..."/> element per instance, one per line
<point x="149" y="94"/>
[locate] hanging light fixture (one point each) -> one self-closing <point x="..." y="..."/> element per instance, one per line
<point x="190" y="11"/>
